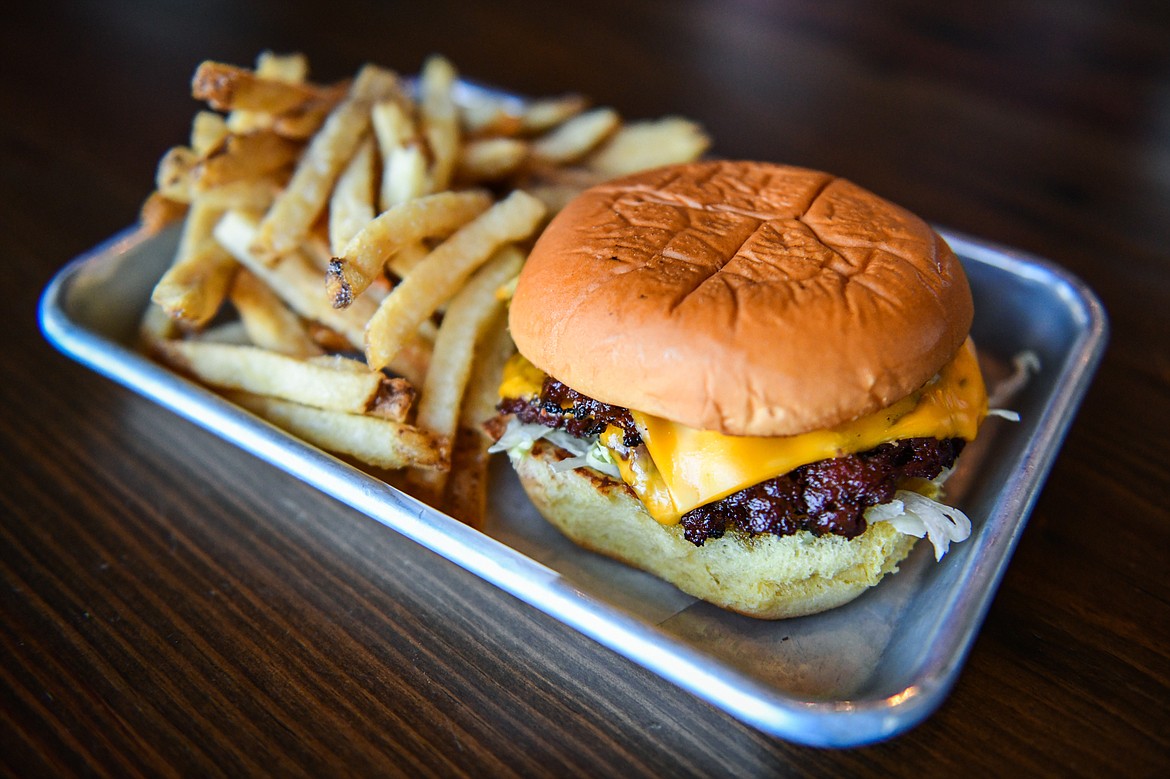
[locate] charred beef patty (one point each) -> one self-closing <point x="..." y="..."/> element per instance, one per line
<point x="567" y="409"/>
<point x="824" y="497"/>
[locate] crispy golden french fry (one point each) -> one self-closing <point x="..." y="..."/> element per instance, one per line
<point x="159" y="211"/>
<point x="467" y="316"/>
<point x="443" y="272"/>
<point x="393" y="126"/>
<point x="255" y="194"/>
<point x="404" y="165"/>
<point x="297" y="207"/>
<point x="223" y="333"/>
<point x="644" y="145"/>
<point x="394" y="400"/>
<point x="175" y="173"/>
<point x="226" y="87"/>
<point x="575" y="138"/>
<point x="485" y="115"/>
<point x="440" y="120"/>
<point x="208" y="130"/>
<point x="351" y="206"/>
<point x="268" y="322"/>
<point x="195" y="285"/>
<point x="297" y="282"/>
<point x="327" y="338"/>
<point x="466" y="493"/>
<point x="380" y="442"/>
<point x="434" y="216"/>
<point x="242" y="157"/>
<point x="405" y="176"/>
<point x="482" y="395"/>
<point x="302" y="123"/>
<point x="156" y="327"/>
<point x="542" y="115"/>
<point x="289" y="68"/>
<point x="330" y="383"/>
<point x="295" y="279"/>
<point x="490" y="159"/>
<point x="406" y="258"/>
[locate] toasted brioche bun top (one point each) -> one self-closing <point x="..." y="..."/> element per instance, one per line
<point x="742" y="297"/>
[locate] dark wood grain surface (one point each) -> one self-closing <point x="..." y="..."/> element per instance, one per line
<point x="171" y="605"/>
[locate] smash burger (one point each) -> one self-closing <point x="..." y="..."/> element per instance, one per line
<point x="748" y="379"/>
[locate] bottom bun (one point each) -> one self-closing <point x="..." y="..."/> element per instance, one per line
<point x="764" y="576"/>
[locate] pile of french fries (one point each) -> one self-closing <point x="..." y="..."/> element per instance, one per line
<point x="347" y="250"/>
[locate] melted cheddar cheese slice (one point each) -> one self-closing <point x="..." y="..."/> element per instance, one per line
<point x="687" y="468"/>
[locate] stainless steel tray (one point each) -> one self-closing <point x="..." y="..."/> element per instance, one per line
<point x="855" y="675"/>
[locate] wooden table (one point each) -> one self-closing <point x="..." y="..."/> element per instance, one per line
<point x="173" y="605"/>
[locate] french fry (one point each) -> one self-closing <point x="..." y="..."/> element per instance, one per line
<point x="575" y="138"/>
<point x="298" y="283"/>
<point x="289" y="68"/>
<point x="351" y="206"/>
<point x="267" y="321"/>
<point x="406" y="258"/>
<point x="208" y="130"/>
<point x="302" y="123"/>
<point x="243" y="157"/>
<point x="175" y="172"/>
<point x="434" y="216"/>
<point x="542" y="115"/>
<point x="485" y="115"/>
<point x="337" y="383"/>
<point x="404" y="166"/>
<point x="490" y="159"/>
<point x="195" y="285"/>
<point x="223" y="333"/>
<point x="405" y="176"/>
<point x="380" y="442"/>
<point x="159" y="211"/>
<point x="226" y="87"/>
<point x="644" y="145"/>
<point x="352" y="182"/>
<point x="156" y="326"/>
<point x="440" y="120"/>
<point x="392" y="123"/>
<point x="297" y="207"/>
<point x="482" y="394"/>
<point x="465" y="497"/>
<point x="467" y="316"/>
<point x="394" y="400"/>
<point x="443" y="272"/>
<point x="255" y="194"/>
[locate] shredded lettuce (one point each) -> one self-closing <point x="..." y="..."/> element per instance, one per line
<point x="519" y="437"/>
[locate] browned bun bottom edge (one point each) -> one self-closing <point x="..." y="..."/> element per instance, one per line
<point x="765" y="576"/>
